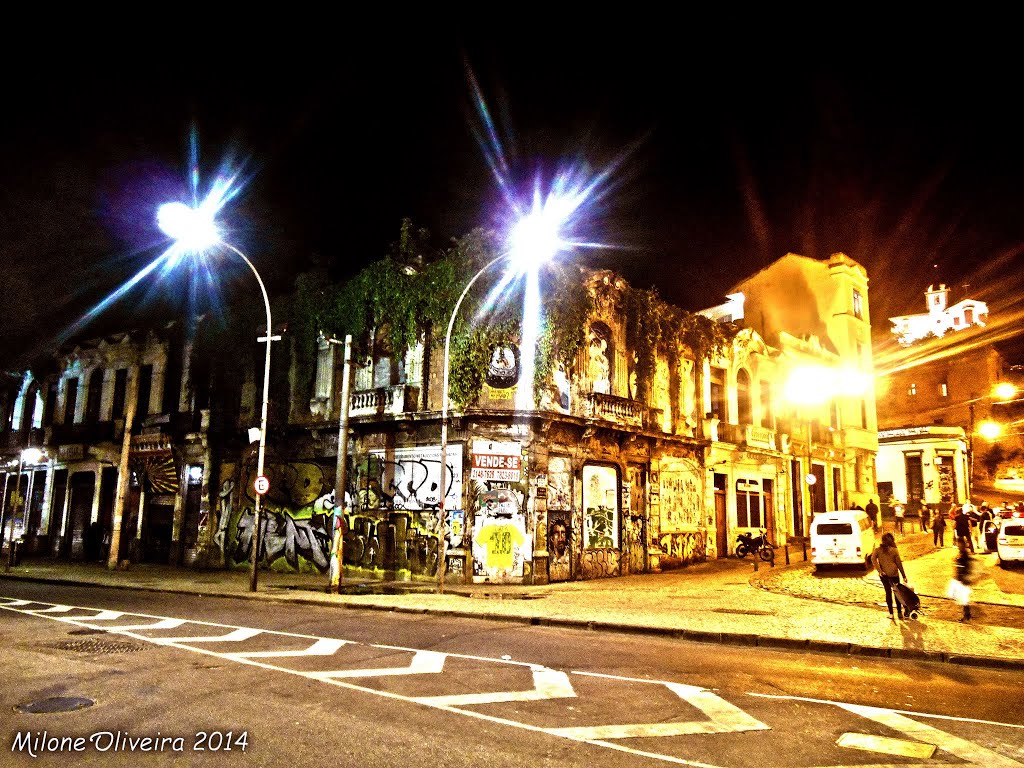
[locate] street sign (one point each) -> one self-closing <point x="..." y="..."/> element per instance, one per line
<point x="262" y="484"/>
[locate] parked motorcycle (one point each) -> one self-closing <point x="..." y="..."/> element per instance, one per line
<point x="747" y="543"/>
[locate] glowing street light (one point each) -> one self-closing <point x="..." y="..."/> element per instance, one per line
<point x="195" y="230"/>
<point x="27" y="456"/>
<point x="990" y="430"/>
<point x="534" y="240"/>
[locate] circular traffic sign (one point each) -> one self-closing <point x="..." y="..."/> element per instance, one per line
<point x="262" y="484"/>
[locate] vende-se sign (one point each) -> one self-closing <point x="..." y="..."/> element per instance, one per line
<point x="497" y="461"/>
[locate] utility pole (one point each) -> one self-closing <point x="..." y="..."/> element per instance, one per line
<point x="337" y="566"/>
<point x="122" y="469"/>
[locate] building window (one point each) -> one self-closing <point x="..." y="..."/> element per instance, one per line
<point x="858" y="305"/>
<point x="38" y="407"/>
<point x="71" y="401"/>
<point x="600" y="356"/>
<point x="748" y="504"/>
<point x="767" y="416"/>
<point x="944" y="389"/>
<point x="912" y="389"/>
<point x="145" y="390"/>
<point x="743" y="406"/>
<point x="93" y="395"/>
<point x="716" y="403"/>
<point x="120" y="388"/>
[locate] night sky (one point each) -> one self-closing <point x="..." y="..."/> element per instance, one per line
<point x="725" y="156"/>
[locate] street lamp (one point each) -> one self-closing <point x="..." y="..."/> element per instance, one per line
<point x="534" y="241"/>
<point x="1004" y="392"/>
<point x="27" y="456"/>
<point x="195" y="230"/>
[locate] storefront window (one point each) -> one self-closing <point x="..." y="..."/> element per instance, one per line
<point x="600" y="507"/>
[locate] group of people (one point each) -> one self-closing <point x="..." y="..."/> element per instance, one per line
<point x="969" y="525"/>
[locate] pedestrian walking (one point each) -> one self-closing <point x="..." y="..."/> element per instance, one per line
<point x="939" y="531"/>
<point x="925" y="519"/>
<point x="960" y="585"/>
<point x="872" y="510"/>
<point x="887" y="562"/>
<point x="897" y="509"/>
<point x="962" y="530"/>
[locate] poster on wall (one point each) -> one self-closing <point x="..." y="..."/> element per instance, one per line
<point x="410" y="478"/>
<point x="600" y="507"/>
<point x="493" y="460"/>
<point x="681" y="492"/>
<point x="501" y="544"/>
<point x="559" y="483"/>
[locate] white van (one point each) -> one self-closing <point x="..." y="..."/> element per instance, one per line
<point x="843" y="537"/>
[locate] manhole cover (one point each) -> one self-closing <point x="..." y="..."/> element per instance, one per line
<point x="54" y="704"/>
<point x="94" y="646"/>
<point x="752" y="612"/>
<point x="87" y="632"/>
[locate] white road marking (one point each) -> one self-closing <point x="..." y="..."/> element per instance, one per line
<point x="55" y="609"/>
<point x="974" y="754"/>
<point x="104" y="616"/>
<point x="322" y="647"/>
<point x="901" y="747"/>
<point x="548" y="684"/>
<point x="234" y="636"/>
<point x="422" y="663"/>
<point x="723" y="718"/>
<point x="726" y="715"/>
<point x="162" y="624"/>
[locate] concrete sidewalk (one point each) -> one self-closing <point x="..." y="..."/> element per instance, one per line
<point x="722" y="601"/>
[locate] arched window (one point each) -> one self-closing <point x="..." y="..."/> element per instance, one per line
<point x="93" y="396"/>
<point x="601" y="357"/>
<point x="744" y="412"/>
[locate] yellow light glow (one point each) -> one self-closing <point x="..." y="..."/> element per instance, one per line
<point x="990" y="430"/>
<point x="1005" y="391"/>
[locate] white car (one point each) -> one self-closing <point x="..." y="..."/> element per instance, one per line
<point x="1010" y="540"/>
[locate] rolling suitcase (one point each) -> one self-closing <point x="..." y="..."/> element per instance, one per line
<point x="909" y="600"/>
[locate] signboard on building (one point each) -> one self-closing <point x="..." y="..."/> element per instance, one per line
<point x="497" y="461"/>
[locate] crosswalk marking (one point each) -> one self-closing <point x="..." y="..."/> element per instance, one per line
<point x="55" y="609"/>
<point x="322" y="647"/>
<point x="871" y="743"/>
<point x="422" y="663"/>
<point x="547" y="684"/>
<point x="722" y="716"/>
<point x="234" y="636"/>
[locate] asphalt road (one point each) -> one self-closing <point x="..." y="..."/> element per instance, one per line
<point x="323" y="686"/>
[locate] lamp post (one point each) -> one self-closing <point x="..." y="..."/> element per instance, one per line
<point x="26" y="456"/>
<point x="194" y="230"/>
<point x="535" y="240"/>
<point x="1003" y="392"/>
<point x="341" y="471"/>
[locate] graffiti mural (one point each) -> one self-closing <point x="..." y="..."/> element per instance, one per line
<point x="600" y="506"/>
<point x="410" y="478"/>
<point x="681" y="494"/>
<point x="599" y="563"/>
<point x="559" y="536"/>
<point x="683" y="548"/>
<point x="501" y="543"/>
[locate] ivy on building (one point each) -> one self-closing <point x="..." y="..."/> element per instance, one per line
<point x="407" y="297"/>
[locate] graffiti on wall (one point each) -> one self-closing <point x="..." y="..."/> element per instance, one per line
<point x="681" y="493"/>
<point x="559" y="536"/>
<point x="410" y="478"/>
<point x="501" y="543"/>
<point x="297" y="530"/>
<point x="684" y="547"/>
<point x="559" y="483"/>
<point x="598" y="563"/>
